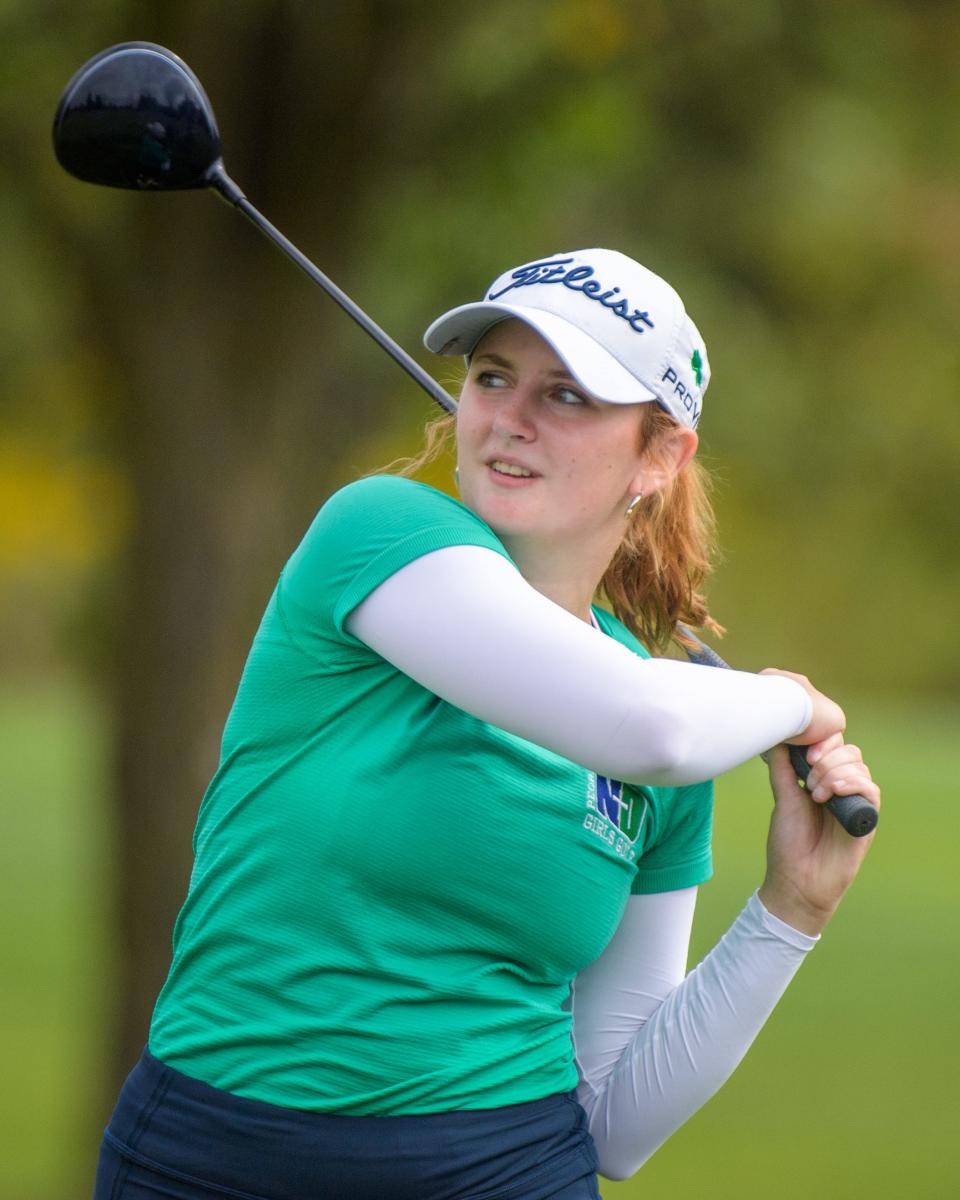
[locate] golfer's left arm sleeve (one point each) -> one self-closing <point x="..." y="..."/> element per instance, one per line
<point x="464" y="623"/>
<point x="652" y="1047"/>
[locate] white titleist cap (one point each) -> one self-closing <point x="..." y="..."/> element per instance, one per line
<point x="621" y="330"/>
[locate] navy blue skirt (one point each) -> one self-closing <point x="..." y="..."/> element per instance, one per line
<point x="175" y="1138"/>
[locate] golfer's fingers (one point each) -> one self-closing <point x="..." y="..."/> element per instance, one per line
<point x="850" y="784"/>
<point x="839" y="756"/>
<point x="817" y="750"/>
<point x="843" y="775"/>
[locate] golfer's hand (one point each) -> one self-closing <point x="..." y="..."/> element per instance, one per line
<point x="811" y="860"/>
<point x="828" y="717"/>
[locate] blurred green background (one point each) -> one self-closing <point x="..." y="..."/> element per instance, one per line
<point x="177" y="401"/>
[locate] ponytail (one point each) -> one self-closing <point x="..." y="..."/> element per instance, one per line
<point x="655" y="578"/>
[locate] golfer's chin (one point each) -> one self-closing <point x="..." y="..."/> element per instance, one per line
<point x="510" y="512"/>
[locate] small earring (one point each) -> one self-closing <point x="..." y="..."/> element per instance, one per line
<point x="456" y="477"/>
<point x="632" y="506"/>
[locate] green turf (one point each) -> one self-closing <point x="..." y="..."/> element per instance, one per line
<point x="849" y="1091"/>
<point x="848" y="1094"/>
<point x="55" y="896"/>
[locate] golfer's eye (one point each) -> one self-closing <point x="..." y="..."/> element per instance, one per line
<point x="569" y="397"/>
<point x="491" y="379"/>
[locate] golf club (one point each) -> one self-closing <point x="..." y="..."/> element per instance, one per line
<point x="135" y="116"/>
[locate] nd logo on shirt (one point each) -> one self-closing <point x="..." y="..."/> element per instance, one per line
<point x="614" y="814"/>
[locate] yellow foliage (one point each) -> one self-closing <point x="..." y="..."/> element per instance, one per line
<point x="57" y="512"/>
<point x="588" y="32"/>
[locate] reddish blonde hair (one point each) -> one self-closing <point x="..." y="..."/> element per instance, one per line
<point x="654" y="580"/>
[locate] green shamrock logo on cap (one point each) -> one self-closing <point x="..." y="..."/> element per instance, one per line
<point x="697" y="363"/>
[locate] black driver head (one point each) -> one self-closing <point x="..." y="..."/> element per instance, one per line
<point x="136" y="116"/>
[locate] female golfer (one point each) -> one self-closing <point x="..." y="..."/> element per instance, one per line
<point x="435" y="939"/>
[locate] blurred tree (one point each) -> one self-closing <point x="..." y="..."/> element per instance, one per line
<point x="237" y="406"/>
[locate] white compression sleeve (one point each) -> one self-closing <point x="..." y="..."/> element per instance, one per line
<point x="465" y="624"/>
<point x="651" y="1049"/>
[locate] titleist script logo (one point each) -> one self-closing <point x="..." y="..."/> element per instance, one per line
<point x="577" y="279"/>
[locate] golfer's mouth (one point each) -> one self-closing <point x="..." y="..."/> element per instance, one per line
<point x="507" y="470"/>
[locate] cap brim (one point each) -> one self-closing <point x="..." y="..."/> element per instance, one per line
<point x="604" y="377"/>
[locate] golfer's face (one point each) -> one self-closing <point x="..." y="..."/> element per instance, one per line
<point x="537" y="455"/>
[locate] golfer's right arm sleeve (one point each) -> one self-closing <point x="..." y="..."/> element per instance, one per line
<point x="465" y="624"/>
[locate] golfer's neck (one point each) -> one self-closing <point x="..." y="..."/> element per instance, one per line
<point x="563" y="576"/>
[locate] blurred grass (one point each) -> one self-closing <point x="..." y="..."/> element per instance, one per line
<point x="55" y="896"/>
<point x="848" y="1093"/>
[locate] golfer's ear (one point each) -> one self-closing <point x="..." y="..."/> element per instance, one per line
<point x="667" y="459"/>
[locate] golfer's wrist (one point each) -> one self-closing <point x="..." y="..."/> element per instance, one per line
<point x="789" y="906"/>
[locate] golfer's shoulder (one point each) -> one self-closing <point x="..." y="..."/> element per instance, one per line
<point x="388" y="500"/>
<point x="382" y="510"/>
<point x="385" y="489"/>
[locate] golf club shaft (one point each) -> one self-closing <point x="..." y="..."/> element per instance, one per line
<point x="855" y="813"/>
<point x="221" y="182"/>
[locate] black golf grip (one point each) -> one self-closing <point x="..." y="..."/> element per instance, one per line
<point x="855" y="813"/>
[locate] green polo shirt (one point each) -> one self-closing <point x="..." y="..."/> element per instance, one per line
<point x="390" y="897"/>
